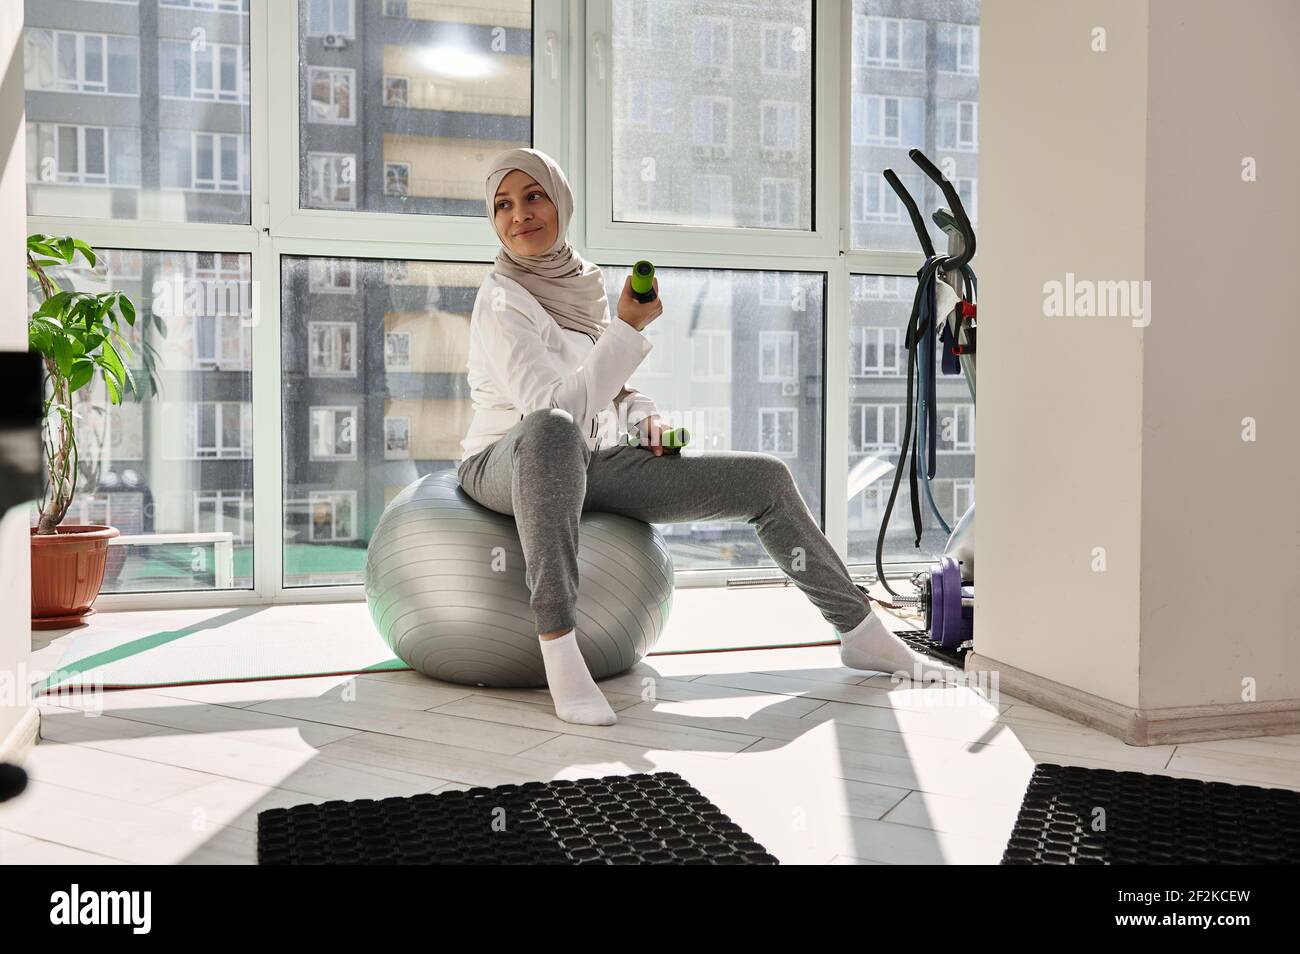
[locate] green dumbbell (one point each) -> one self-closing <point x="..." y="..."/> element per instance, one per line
<point x="643" y="282"/>
<point x="673" y="439"/>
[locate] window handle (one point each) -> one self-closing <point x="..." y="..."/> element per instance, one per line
<point x="598" y="51"/>
<point x="553" y="53"/>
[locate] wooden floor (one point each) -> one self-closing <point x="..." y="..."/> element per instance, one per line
<point x="818" y="763"/>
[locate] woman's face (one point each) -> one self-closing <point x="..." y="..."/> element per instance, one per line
<point x="526" y="218"/>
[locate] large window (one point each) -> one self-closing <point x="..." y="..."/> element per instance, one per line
<point x="700" y="134"/>
<point x="138" y="117"/>
<point x="903" y="100"/>
<point x="172" y="469"/>
<point x="740" y="366"/>
<point x="713" y="113"/>
<point x="404" y="103"/>
<point x="373" y="357"/>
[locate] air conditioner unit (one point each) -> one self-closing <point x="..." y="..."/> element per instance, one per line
<point x="787" y="155"/>
<point x="719" y="152"/>
<point x="335" y="41"/>
<point x="789" y="389"/>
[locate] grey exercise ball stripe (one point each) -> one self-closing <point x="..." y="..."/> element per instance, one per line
<point x="444" y="611"/>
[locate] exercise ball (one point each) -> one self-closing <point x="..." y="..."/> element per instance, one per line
<point x="446" y="588"/>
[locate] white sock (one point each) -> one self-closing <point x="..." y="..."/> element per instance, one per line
<point x="870" y="645"/>
<point x="577" y="697"/>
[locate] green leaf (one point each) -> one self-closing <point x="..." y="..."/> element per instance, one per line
<point x="67" y="249"/>
<point x="81" y="375"/>
<point x="63" y="356"/>
<point x="127" y="308"/>
<point x="113" y="389"/>
<point x="86" y="251"/>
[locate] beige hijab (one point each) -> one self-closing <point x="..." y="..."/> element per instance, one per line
<point x="568" y="286"/>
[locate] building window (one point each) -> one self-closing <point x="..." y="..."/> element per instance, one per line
<point x="711" y="356"/>
<point x="397" y="178"/>
<point x="395" y="8"/>
<point x="712" y="126"/>
<point x="877" y="202"/>
<point x="778" y="431"/>
<point x="332" y="179"/>
<point x="959" y="126"/>
<point x="780" y="47"/>
<point x="332" y="276"/>
<point x="889" y="43"/>
<point x="880" y="352"/>
<point x="219" y="343"/>
<point x="888" y="120"/>
<point x="958" y="48"/>
<point x="73" y="154"/>
<point x="331" y="95"/>
<point x="963" y="497"/>
<point x="643" y="24"/>
<point x="878" y="288"/>
<point x="62" y="61"/>
<point x="333" y="433"/>
<point x="713" y="43"/>
<point x="778" y="356"/>
<point x="329" y="17"/>
<point x="216" y="160"/>
<point x="878" y="429"/>
<point x="780" y="129"/>
<point x="224" y="511"/>
<point x="333" y="515"/>
<point x="397" y="90"/>
<point x="957" y="428"/>
<point x="779" y="202"/>
<point x="397" y="351"/>
<point x="331" y="349"/>
<point x="397" y="438"/>
<point x="223" y="429"/>
<point x="216" y="72"/>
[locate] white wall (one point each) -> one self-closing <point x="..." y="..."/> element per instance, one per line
<point x="1121" y="165"/>
<point x="1058" y="473"/>
<point x="15" y="553"/>
<point x="1221" y="516"/>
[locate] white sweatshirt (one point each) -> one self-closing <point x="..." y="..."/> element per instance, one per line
<point x="521" y="360"/>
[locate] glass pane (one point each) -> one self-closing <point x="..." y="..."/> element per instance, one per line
<point x="161" y="465"/>
<point x="439" y="89"/>
<point x="705" y="373"/>
<point x="375" y="395"/>
<point x="152" y="82"/>
<point x="902" y="100"/>
<point x="711" y="94"/>
<point x="879" y="309"/>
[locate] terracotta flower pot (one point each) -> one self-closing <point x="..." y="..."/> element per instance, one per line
<point x="67" y="572"/>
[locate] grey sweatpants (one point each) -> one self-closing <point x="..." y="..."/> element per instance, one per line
<point x="542" y="472"/>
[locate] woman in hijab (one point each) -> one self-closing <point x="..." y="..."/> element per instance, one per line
<point x="548" y="368"/>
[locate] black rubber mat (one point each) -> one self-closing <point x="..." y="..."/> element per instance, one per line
<point x="920" y="642"/>
<point x="620" y="819"/>
<point x="1083" y="816"/>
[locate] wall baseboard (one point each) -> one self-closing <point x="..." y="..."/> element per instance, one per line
<point x="1166" y="726"/>
<point x="21" y="733"/>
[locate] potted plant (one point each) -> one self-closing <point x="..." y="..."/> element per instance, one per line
<point x="78" y="334"/>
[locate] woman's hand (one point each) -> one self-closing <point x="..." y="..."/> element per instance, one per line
<point x="635" y="313"/>
<point x="653" y="427"/>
